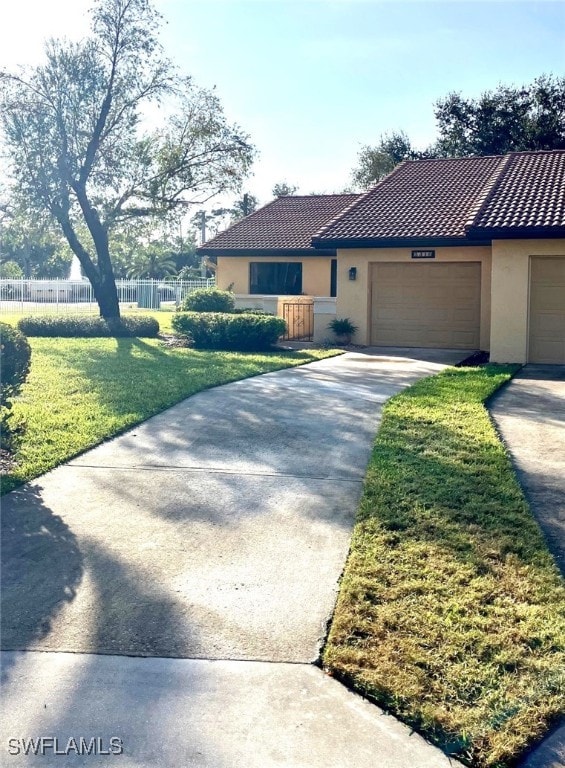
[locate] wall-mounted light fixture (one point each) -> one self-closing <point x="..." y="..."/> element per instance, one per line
<point x="353" y="273"/>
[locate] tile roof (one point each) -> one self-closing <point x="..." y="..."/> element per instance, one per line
<point x="286" y="223"/>
<point x="529" y="193"/>
<point x="521" y="194"/>
<point x="419" y="199"/>
<point x="462" y="199"/>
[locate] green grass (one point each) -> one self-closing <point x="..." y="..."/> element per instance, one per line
<point x="82" y="391"/>
<point x="163" y="316"/>
<point x="451" y="609"/>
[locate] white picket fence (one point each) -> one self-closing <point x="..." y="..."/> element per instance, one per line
<point x="58" y="296"/>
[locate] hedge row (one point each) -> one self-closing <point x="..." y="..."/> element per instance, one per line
<point x="251" y="311"/>
<point x="222" y="330"/>
<point x="15" y="358"/>
<point x="75" y="325"/>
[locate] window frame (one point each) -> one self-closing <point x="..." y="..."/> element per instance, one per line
<point x="255" y="281"/>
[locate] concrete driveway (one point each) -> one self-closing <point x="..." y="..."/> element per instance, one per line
<point x="530" y="416"/>
<point x="215" y="532"/>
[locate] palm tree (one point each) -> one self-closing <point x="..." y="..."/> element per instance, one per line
<point x="152" y="262"/>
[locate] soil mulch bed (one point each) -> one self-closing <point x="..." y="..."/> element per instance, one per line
<point x="171" y="340"/>
<point x="7" y="462"/>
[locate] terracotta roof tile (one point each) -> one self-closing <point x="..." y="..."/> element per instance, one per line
<point x="530" y="192"/>
<point x="419" y="199"/>
<point x="469" y="198"/>
<point x="286" y="223"/>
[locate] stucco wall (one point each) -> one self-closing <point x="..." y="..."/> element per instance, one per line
<point x="354" y="296"/>
<point x="324" y="313"/>
<point x="235" y="269"/>
<point x="510" y="295"/>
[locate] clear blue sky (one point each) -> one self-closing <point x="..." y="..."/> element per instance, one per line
<point x="313" y="81"/>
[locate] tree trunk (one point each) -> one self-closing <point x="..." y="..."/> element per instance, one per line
<point x="106" y="295"/>
<point x="101" y="275"/>
<point x="104" y="283"/>
<point x="106" y="292"/>
<point x="104" y="286"/>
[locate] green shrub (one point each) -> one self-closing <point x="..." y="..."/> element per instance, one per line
<point x="15" y="357"/>
<point x="80" y="326"/>
<point x="208" y="300"/>
<point x="11" y="270"/>
<point x="342" y="326"/>
<point x="217" y="330"/>
<point x="249" y="311"/>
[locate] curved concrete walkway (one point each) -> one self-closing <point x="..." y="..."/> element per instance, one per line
<point x="215" y="532"/>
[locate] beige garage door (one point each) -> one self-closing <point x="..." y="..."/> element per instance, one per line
<point x="426" y="305"/>
<point x="547" y="310"/>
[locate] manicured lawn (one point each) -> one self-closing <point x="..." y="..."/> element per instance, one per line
<point x="163" y="315"/>
<point x="81" y="391"/>
<point x="451" y="609"/>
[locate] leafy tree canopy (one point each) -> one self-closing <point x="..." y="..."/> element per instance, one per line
<point x="76" y="129"/>
<point x="209" y="223"/>
<point x="153" y="261"/>
<point x="243" y="206"/>
<point x="10" y="269"/>
<point x="375" y="162"/>
<point x="34" y="244"/>
<point x="507" y="119"/>
<point x="282" y="189"/>
<point x="151" y="248"/>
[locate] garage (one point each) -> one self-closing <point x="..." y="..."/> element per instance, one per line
<point x="426" y="305"/>
<point x="547" y="310"/>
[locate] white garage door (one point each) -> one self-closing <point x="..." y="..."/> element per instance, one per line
<point x="547" y="310"/>
<point x="426" y="305"/>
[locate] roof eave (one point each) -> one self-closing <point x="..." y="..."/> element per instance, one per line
<point x="516" y="233"/>
<point x="266" y="252"/>
<point x="397" y="242"/>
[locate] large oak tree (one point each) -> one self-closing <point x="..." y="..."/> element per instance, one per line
<point x="77" y="131"/>
<point x="506" y="119"/>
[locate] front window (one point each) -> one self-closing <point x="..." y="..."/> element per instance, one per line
<point x="275" y="278"/>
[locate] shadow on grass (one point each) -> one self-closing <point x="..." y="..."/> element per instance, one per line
<point x="440" y="473"/>
<point x="105" y="386"/>
<point x="141" y="377"/>
<point x="529" y="416"/>
<point x="451" y="602"/>
<point x="313" y="422"/>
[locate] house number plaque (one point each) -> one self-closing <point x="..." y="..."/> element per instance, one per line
<point x="423" y="254"/>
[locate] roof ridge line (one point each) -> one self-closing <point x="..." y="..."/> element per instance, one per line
<point x="275" y="200"/>
<point x="557" y="150"/>
<point x="238" y="222"/>
<point x="314" y="194"/>
<point x="450" y="158"/>
<point x="361" y="197"/>
<point x="489" y="190"/>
